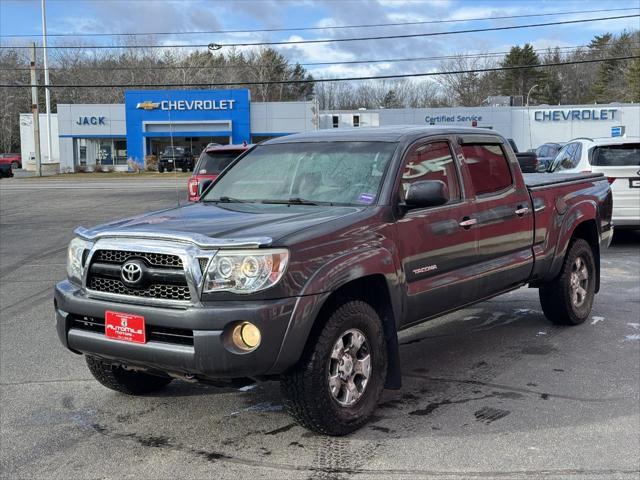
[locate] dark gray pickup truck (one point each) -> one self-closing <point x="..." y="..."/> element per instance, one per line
<point x="308" y="254"/>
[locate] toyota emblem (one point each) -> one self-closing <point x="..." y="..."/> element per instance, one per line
<point x="131" y="272"/>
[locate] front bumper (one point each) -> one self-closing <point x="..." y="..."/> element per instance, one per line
<point x="284" y="324"/>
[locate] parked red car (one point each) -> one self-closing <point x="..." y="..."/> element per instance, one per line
<point x="213" y="160"/>
<point x="13" y="159"/>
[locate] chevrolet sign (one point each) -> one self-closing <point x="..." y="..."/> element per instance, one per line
<point x="187" y="105"/>
<point x="148" y="105"/>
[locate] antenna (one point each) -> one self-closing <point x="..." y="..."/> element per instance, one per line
<point x="175" y="167"/>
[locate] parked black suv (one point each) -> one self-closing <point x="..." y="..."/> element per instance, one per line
<point x="175" y="157"/>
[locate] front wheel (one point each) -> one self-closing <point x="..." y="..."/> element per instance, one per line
<point x="337" y="384"/>
<point x="125" y="381"/>
<point x="160" y="168"/>
<point x="568" y="299"/>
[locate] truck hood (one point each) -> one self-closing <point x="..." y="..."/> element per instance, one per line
<point x="233" y="221"/>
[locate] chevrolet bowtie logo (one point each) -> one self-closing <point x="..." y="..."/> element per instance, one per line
<point x="148" y="105"/>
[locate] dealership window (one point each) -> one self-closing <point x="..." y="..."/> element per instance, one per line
<point x="488" y="167"/>
<point x="336" y="121"/>
<point x="105" y="152"/>
<point x="81" y="151"/>
<point x="356" y="120"/>
<point x="432" y="161"/>
<point x="120" y="152"/>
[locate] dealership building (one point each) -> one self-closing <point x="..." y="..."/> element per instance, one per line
<point x="90" y="136"/>
<point x="529" y="127"/>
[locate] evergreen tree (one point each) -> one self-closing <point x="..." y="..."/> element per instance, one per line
<point x="550" y="84"/>
<point x="633" y="77"/>
<point x="519" y="81"/>
<point x="391" y="100"/>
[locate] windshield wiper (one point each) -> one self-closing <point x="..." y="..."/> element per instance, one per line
<point x="225" y="199"/>
<point x="296" y="201"/>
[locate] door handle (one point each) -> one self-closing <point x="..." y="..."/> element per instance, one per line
<point x="468" y="222"/>
<point x="522" y="210"/>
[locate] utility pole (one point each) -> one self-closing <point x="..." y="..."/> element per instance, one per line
<point x="47" y="93"/>
<point x="35" y="110"/>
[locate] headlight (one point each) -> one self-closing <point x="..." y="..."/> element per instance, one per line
<point x="245" y="271"/>
<point x="75" y="258"/>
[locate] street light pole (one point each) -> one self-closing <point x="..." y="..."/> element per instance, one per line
<point x="528" y="93"/>
<point x="47" y="93"/>
<point x="528" y="113"/>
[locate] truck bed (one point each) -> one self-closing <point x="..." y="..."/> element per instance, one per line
<point x="534" y="180"/>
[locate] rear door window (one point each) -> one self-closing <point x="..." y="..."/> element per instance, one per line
<point x="488" y="167"/>
<point x="627" y="155"/>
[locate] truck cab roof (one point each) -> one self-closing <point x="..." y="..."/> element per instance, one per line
<point x="395" y="133"/>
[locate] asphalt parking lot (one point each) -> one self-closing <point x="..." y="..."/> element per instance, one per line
<point x="492" y="391"/>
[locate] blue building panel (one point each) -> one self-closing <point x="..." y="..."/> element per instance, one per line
<point x="183" y="108"/>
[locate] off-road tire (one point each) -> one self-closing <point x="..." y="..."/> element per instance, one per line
<point x="125" y="381"/>
<point x="556" y="296"/>
<point x="306" y="388"/>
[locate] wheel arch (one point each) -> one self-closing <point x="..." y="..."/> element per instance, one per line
<point x="581" y="221"/>
<point x="373" y="290"/>
<point x="370" y="276"/>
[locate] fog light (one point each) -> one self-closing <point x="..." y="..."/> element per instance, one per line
<point x="246" y="336"/>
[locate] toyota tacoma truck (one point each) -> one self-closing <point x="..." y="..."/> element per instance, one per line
<point x="304" y="259"/>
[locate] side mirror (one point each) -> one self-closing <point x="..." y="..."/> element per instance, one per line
<point x="203" y="185"/>
<point x="427" y="193"/>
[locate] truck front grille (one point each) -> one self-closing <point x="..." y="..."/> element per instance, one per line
<point x="153" y="259"/>
<point x="163" y="275"/>
<point x="166" y="292"/>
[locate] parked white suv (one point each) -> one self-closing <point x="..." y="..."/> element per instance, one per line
<point x="619" y="160"/>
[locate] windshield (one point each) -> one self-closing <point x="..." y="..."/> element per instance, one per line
<point x="324" y="172"/>
<point x="627" y="155"/>
<point x="215" y="162"/>
<point x="170" y="150"/>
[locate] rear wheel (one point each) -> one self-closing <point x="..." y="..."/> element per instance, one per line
<point x="568" y="299"/>
<point x="15" y="165"/>
<point x="160" y="168"/>
<point x="125" y="381"/>
<point x="185" y="167"/>
<point x="337" y="384"/>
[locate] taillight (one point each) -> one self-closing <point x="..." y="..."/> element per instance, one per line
<point x="193" y="187"/>
<point x="611" y="180"/>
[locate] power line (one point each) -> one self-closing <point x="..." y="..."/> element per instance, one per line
<point x="215" y="46"/>
<point x="566" y="49"/>
<point x="414" y="35"/>
<point x="323" y="80"/>
<point x="301" y="29"/>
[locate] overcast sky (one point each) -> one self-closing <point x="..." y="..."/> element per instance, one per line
<point x="142" y="16"/>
